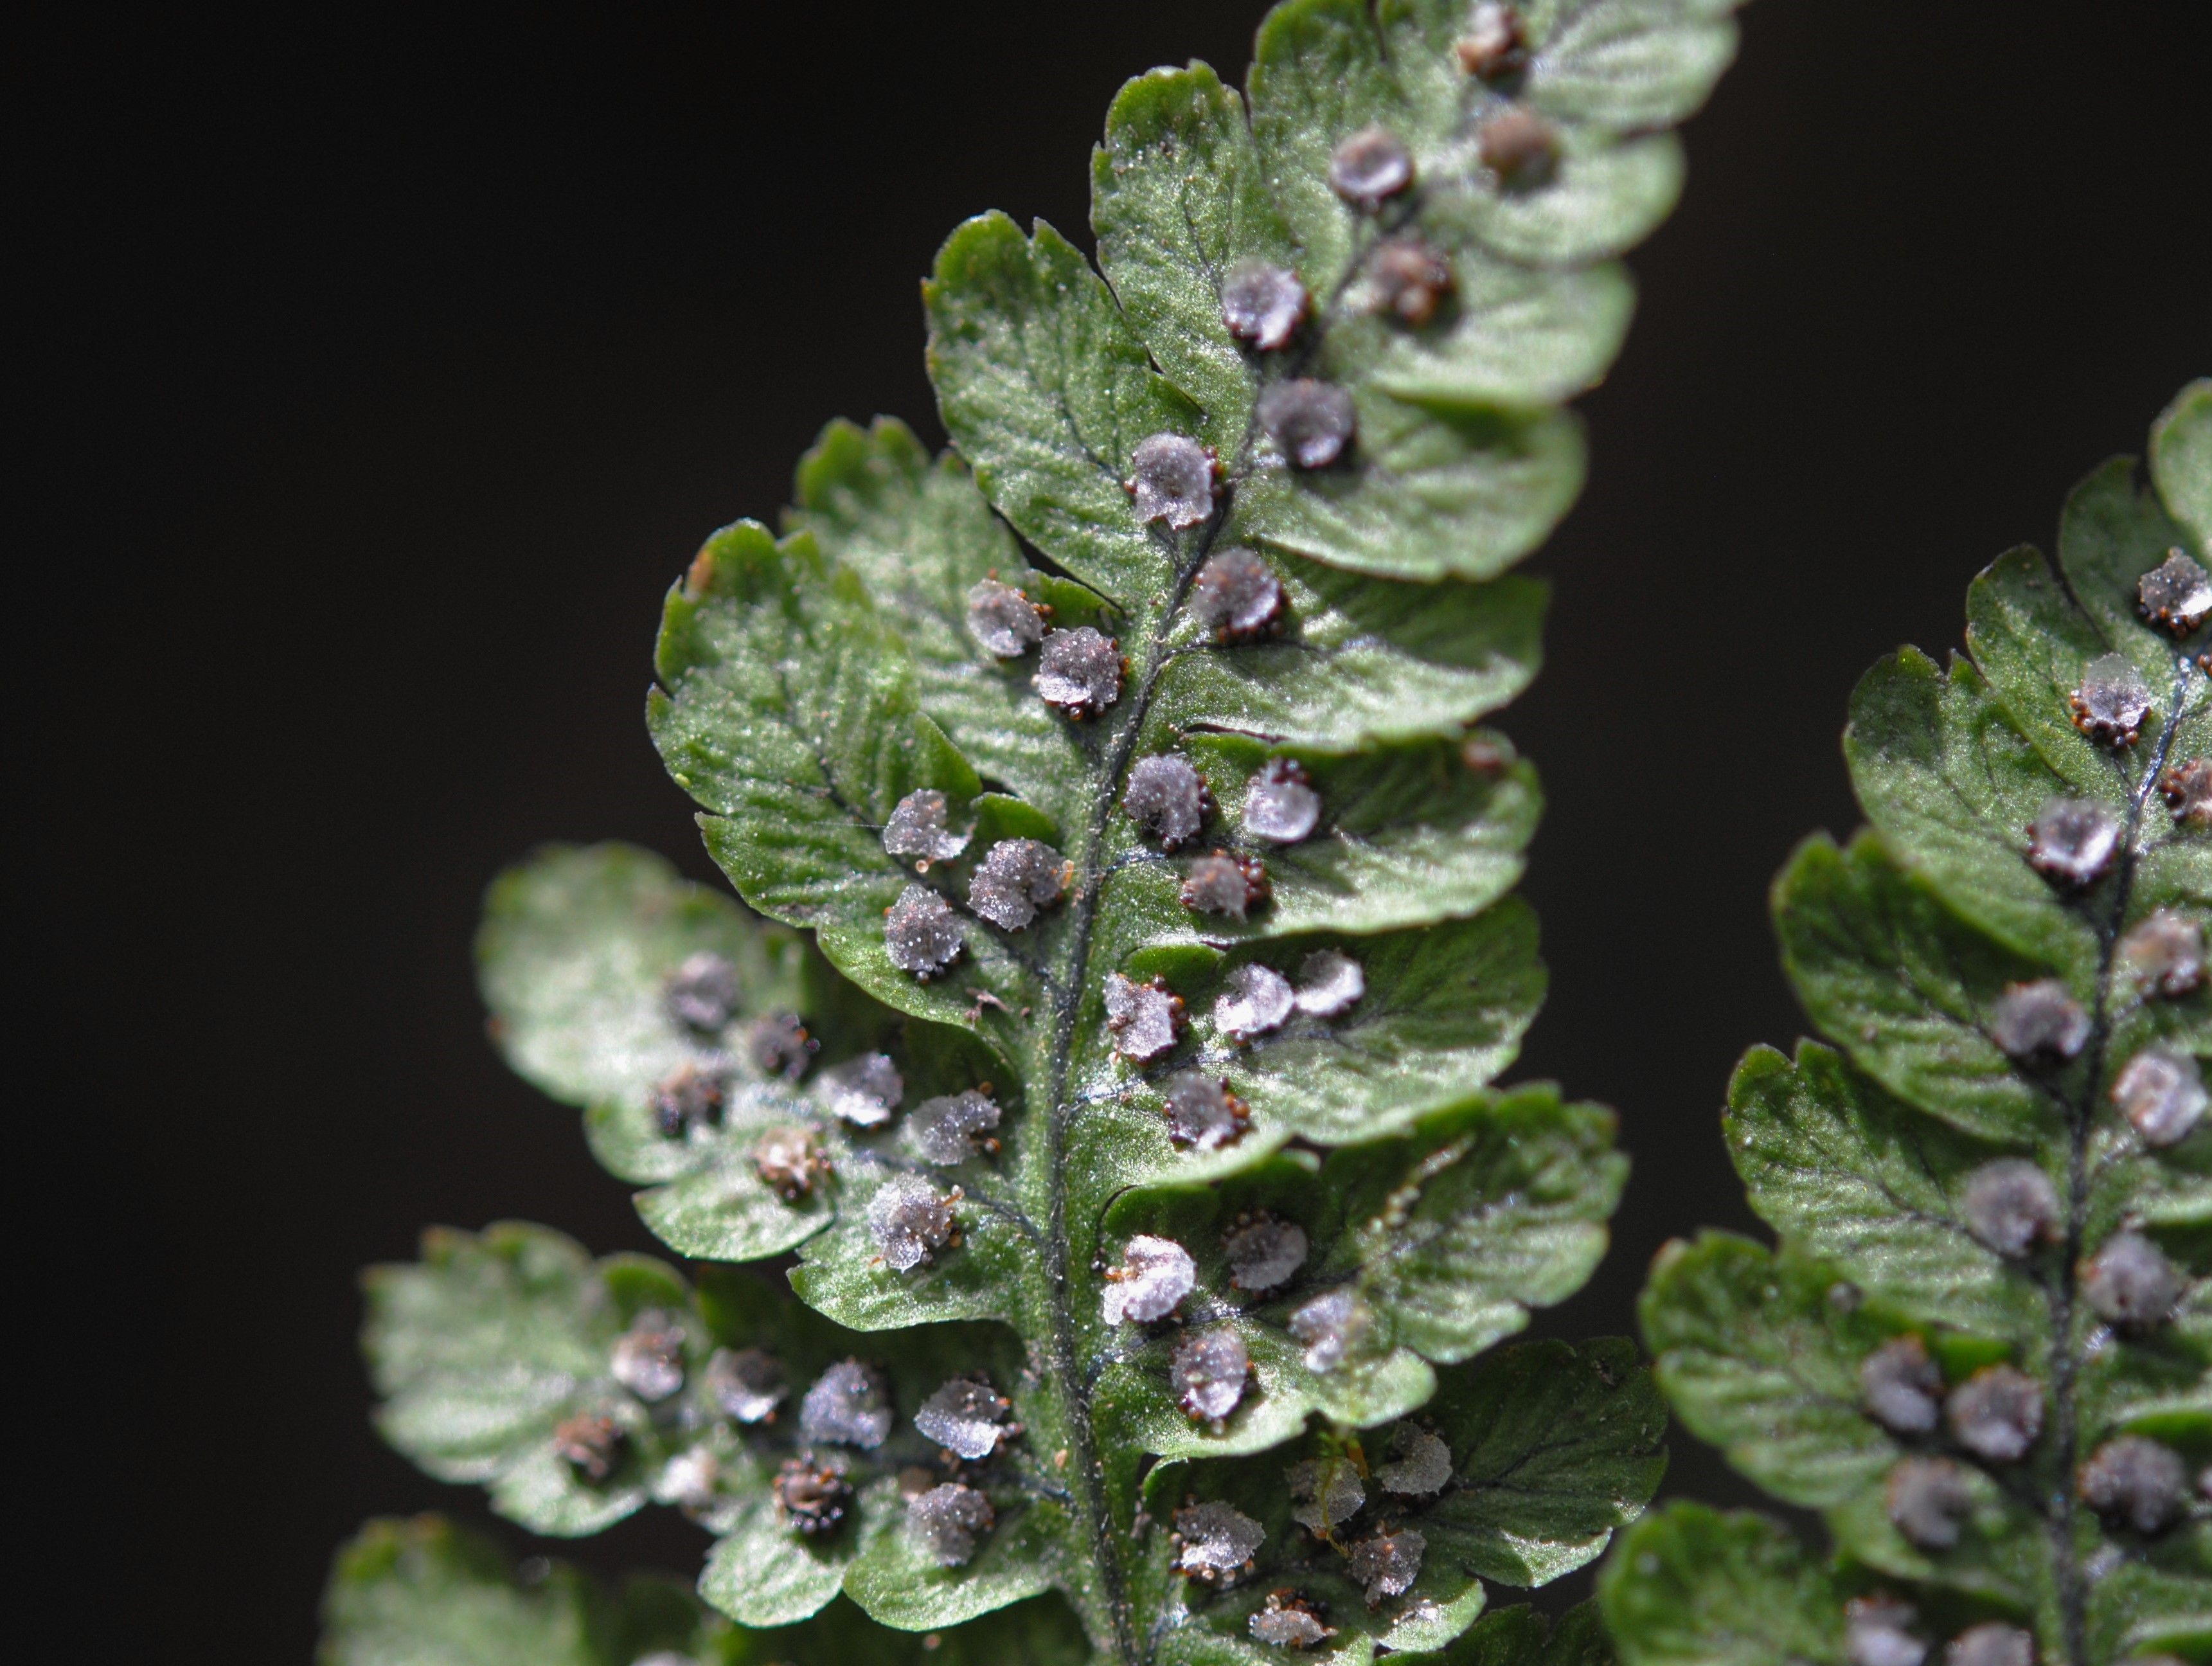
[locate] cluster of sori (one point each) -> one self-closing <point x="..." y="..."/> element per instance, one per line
<point x="1983" y="1347"/>
<point x="910" y="1217"/>
<point x="627" y="1390"/>
<point x="1215" y="1543"/>
<point x="1127" y="951"/>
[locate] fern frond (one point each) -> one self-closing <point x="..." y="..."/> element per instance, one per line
<point x="1982" y="1347"/>
<point x="1132" y="951"/>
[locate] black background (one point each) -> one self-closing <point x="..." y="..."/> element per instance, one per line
<point x="389" y="370"/>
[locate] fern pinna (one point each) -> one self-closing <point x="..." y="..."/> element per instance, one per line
<point x="1981" y="1346"/>
<point x="1130" y="946"/>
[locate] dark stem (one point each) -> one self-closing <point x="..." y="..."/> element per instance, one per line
<point x="1074" y="1383"/>
<point x="1067" y="1367"/>
<point x="2062" y="1516"/>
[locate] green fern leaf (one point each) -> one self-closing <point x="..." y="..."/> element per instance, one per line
<point x="491" y="1346"/>
<point x="1443" y="1239"/>
<point x="1547" y="1449"/>
<point x="1128" y="952"/>
<point x="577" y="1390"/>
<point x="1520" y="1636"/>
<point x="425" y="1592"/>
<point x="1982" y="1350"/>
<point x="429" y="1593"/>
<point x="1692" y="1586"/>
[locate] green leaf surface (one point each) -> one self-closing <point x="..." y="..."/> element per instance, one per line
<point x="1517" y="337"/>
<point x="842" y="1273"/>
<point x="1758" y="1357"/>
<point x="1954" y="788"/>
<point x="721" y="1203"/>
<point x="1905" y="988"/>
<point x="722" y="1208"/>
<point x="489" y="1344"/>
<point x="2140" y="1614"/>
<point x="1475" y="1215"/>
<point x="577" y="949"/>
<point x="1632" y="64"/>
<point x="762" y="1574"/>
<point x="900" y="1584"/>
<point x="1442" y="1013"/>
<point x="1691" y="1586"/>
<point x="1318" y="73"/>
<point x="1440" y="495"/>
<point x="1561" y="1446"/>
<point x="1520" y="1636"/>
<point x="2181" y="461"/>
<point x="1445" y="1238"/>
<point x="2112" y="531"/>
<point x="425" y="1592"/>
<point x="1179" y="195"/>
<point x="578" y="953"/>
<point x="921" y="537"/>
<point x="791" y="715"/>
<point x="1359" y="661"/>
<point x="488" y="1347"/>
<point x="1607" y="197"/>
<point x="1868" y="1186"/>
<point x="1046" y="391"/>
<point x="1411" y="835"/>
<point x="1551" y="1449"/>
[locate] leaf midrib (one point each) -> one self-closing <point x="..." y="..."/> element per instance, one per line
<point x="1073" y="1383"/>
<point x="1074" y="1387"/>
<point x="2061" y="1516"/>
